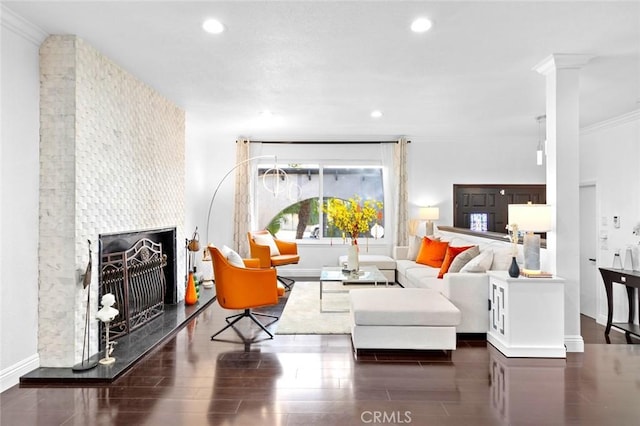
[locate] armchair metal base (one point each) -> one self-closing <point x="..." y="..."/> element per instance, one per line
<point x="252" y="315"/>
<point x="287" y="282"/>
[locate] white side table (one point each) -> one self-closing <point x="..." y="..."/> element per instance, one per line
<point x="526" y="316"/>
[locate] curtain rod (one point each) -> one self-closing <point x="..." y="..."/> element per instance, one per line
<point x="324" y="142"/>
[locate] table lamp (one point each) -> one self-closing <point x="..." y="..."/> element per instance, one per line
<point x="429" y="214"/>
<point x="531" y="218"/>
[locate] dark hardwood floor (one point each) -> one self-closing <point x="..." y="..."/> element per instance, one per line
<point x="316" y="380"/>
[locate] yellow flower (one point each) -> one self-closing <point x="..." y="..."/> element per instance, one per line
<point x="353" y="216"/>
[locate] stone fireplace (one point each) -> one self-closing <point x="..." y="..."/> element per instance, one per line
<point x="111" y="160"/>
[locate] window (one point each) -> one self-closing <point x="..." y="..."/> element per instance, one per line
<point x="478" y="221"/>
<point x="288" y="196"/>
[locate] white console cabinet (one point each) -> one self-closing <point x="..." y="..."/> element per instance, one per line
<point x="526" y="316"/>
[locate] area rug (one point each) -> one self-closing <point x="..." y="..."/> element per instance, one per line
<point x="301" y="314"/>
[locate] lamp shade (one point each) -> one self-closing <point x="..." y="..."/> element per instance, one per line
<point x="429" y="213"/>
<point x="530" y="217"/>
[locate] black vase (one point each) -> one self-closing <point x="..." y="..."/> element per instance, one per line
<point x="514" y="270"/>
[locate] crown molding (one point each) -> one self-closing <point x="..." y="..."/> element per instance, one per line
<point x="17" y="24"/>
<point x="562" y="61"/>
<point x="612" y="122"/>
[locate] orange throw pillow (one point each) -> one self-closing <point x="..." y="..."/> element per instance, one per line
<point x="432" y="252"/>
<point x="451" y="254"/>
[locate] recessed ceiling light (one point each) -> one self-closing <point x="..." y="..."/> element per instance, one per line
<point x="376" y="114"/>
<point x="421" y="25"/>
<point x="213" y="26"/>
<point x="268" y="118"/>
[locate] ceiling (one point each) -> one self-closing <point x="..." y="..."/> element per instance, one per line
<point x="321" y="67"/>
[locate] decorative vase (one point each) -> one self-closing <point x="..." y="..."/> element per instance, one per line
<point x="353" y="261"/>
<point x="514" y="269"/>
<point x="196" y="282"/>
<point x="628" y="259"/>
<point x="617" y="260"/>
<point x="190" y="296"/>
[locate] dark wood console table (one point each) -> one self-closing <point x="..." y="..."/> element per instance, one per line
<point x="631" y="280"/>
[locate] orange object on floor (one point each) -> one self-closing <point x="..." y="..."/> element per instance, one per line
<point x="190" y="295"/>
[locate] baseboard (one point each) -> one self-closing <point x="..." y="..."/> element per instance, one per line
<point x="10" y="376"/>
<point x="574" y="343"/>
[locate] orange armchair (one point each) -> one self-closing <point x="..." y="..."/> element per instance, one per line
<point x="288" y="253"/>
<point x="244" y="288"/>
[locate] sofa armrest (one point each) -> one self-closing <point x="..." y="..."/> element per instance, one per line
<point x="469" y="292"/>
<point x="400" y="252"/>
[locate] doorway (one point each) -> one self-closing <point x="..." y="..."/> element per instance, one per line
<point x="588" y="249"/>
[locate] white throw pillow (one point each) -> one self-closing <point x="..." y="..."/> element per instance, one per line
<point x="480" y="263"/>
<point x="502" y="258"/>
<point x="232" y="257"/>
<point x="414" y="247"/>
<point x="267" y="240"/>
<point x="464" y="258"/>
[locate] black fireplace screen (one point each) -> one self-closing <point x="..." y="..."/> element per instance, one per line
<point x="136" y="278"/>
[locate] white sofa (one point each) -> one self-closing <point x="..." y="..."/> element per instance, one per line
<point x="468" y="291"/>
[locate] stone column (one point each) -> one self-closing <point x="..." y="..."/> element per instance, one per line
<point x="562" y="72"/>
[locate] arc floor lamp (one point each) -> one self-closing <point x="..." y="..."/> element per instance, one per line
<point x="213" y="197"/>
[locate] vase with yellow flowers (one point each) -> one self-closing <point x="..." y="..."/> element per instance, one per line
<point x="353" y="217"/>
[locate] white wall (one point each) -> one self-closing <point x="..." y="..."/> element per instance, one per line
<point x="19" y="170"/>
<point x="609" y="157"/>
<point x="474" y="161"/>
<point x="430" y="183"/>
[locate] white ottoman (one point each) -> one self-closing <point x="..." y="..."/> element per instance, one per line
<point x="402" y="318"/>
<point x="385" y="264"/>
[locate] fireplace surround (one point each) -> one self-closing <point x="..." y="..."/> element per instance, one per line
<point x="111" y="160"/>
<point x="139" y="269"/>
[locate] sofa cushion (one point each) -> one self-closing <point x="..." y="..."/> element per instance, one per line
<point x="432" y="252"/>
<point x="449" y="256"/>
<point x="422" y="275"/>
<point x="380" y="261"/>
<point x="402" y="265"/>
<point x="463" y="258"/>
<point x="402" y="307"/>
<point x="480" y="263"/>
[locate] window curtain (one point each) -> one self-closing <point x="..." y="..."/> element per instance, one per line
<point x="242" y="199"/>
<point x="402" y="197"/>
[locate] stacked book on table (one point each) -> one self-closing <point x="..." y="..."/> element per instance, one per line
<point x="540" y="274"/>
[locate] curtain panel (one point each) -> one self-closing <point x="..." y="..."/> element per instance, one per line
<point x="242" y="199"/>
<point x="402" y="197"/>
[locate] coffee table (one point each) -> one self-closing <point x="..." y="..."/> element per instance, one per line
<point x="366" y="275"/>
